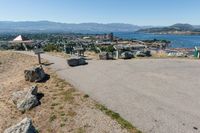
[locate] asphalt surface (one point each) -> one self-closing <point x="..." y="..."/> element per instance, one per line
<point x="155" y="95"/>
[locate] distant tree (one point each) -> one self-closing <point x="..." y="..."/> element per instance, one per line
<point x="52" y="47"/>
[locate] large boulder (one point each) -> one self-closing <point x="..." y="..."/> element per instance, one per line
<point x="106" y="56"/>
<point x="76" y="61"/>
<point x="35" y="74"/>
<point x="25" y="126"/>
<point x="140" y="54"/>
<point x="18" y="96"/>
<point x="127" y="55"/>
<point x="27" y="103"/>
<point x="148" y="53"/>
<point x="25" y="100"/>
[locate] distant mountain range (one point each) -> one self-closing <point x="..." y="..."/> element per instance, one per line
<point x="47" y="26"/>
<point x="174" y="29"/>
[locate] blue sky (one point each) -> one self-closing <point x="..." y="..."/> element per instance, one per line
<point x="140" y="12"/>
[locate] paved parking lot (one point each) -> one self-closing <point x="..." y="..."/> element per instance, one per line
<point x="155" y="95"/>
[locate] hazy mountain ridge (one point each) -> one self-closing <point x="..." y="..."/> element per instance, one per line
<point x="174" y="29"/>
<point x="47" y="26"/>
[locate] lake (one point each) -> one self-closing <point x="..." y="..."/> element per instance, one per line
<point x="177" y="41"/>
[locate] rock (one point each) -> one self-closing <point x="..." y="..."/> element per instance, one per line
<point x="33" y="90"/>
<point x="140" y="54"/>
<point x="103" y="56"/>
<point x="126" y="55"/>
<point x="176" y="54"/>
<point x="148" y="53"/>
<point x="25" y="126"/>
<point x="18" y="96"/>
<point x="25" y="100"/>
<point x="106" y="56"/>
<point x="110" y="56"/>
<point x="35" y="74"/>
<point x="27" y="103"/>
<point x="76" y="61"/>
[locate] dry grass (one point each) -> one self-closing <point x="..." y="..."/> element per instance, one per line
<point x="63" y="108"/>
<point x="91" y="55"/>
<point x="160" y="54"/>
<point x="59" y="54"/>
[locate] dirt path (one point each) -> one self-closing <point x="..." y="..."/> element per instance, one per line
<point x="155" y="95"/>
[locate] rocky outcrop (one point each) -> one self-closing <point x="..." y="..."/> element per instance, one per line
<point x="35" y="74"/>
<point x="25" y="100"/>
<point x="76" y="61"/>
<point x="25" y="126"/>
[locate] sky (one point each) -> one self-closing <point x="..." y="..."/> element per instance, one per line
<point x="139" y="12"/>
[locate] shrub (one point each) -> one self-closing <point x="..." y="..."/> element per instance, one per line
<point x="51" y="47"/>
<point x="109" y="48"/>
<point x="86" y="96"/>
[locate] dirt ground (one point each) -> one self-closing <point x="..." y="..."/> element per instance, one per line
<point x="63" y="109"/>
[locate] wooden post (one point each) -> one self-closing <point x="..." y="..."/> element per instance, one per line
<point x="38" y="52"/>
<point x="39" y="58"/>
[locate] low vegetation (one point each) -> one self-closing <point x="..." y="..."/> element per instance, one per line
<point x="124" y="123"/>
<point x="52" y="47"/>
<point x="86" y="96"/>
<point x="52" y="118"/>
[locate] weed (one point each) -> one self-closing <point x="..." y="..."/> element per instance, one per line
<point x="71" y="113"/>
<point x="64" y="119"/>
<point x="52" y="118"/>
<point x="62" y="124"/>
<point x="54" y="98"/>
<point x="54" y="104"/>
<point x="68" y="95"/>
<point x="115" y="116"/>
<point x="81" y="130"/>
<point x="61" y="107"/>
<point x="86" y="96"/>
<point x="62" y="114"/>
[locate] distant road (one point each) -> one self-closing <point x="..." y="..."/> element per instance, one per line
<point x="155" y="95"/>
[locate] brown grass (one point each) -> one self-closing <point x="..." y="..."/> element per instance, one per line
<point x="63" y="108"/>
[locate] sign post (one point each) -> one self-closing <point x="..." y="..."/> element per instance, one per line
<point x="38" y="52"/>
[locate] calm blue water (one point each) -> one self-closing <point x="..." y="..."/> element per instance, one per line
<point x="177" y="41"/>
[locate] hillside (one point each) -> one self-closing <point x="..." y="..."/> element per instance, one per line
<point x="47" y="26"/>
<point x="174" y="29"/>
<point x="62" y="109"/>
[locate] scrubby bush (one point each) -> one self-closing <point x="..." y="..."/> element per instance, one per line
<point x="109" y="48"/>
<point x="51" y="47"/>
<point x="94" y="48"/>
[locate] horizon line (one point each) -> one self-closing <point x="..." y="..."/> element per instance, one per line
<point x="94" y="22"/>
